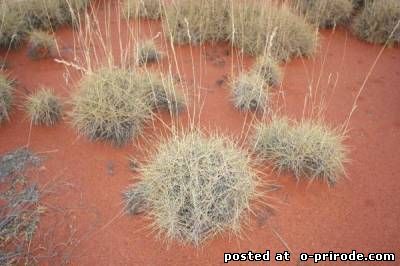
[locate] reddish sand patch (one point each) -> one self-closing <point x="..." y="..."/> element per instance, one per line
<point x="83" y="224"/>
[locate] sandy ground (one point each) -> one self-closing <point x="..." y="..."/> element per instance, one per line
<point x="84" y="225"/>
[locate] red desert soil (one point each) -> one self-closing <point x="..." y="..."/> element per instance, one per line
<point x="84" y="225"/>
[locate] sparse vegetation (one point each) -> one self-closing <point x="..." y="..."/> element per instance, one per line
<point x="6" y="91"/>
<point x="195" y="187"/>
<point x="189" y="21"/>
<point x="378" y="22"/>
<point x="268" y="69"/>
<point x="44" y="108"/>
<point x="147" y="52"/>
<point x="325" y="13"/>
<point x="41" y="45"/>
<point x="112" y="105"/>
<point x="249" y="92"/>
<point x="307" y="149"/>
<point x="263" y="28"/>
<point x="150" y="9"/>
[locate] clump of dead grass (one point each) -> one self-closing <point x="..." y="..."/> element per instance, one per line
<point x="41" y="45"/>
<point x="112" y="104"/>
<point x="189" y="21"/>
<point x="378" y="22"/>
<point x="268" y="69"/>
<point x="250" y="93"/>
<point x="307" y="149"/>
<point x="195" y="187"/>
<point x="147" y="52"/>
<point x="325" y="13"/>
<point x="6" y="91"/>
<point x="263" y="28"/>
<point x="44" y="108"/>
<point x="150" y="9"/>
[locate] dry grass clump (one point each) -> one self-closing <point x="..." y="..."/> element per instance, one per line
<point x="308" y="149"/>
<point x="44" y="108"/>
<point x="147" y="52"/>
<point x="189" y="21"/>
<point x="151" y="9"/>
<point x="249" y="92"/>
<point x="378" y="22"/>
<point x="325" y="13"/>
<point x="41" y="45"/>
<point x="6" y="90"/>
<point x="195" y="187"/>
<point x="263" y="28"/>
<point x="13" y="27"/>
<point x="268" y="69"/>
<point x="112" y="105"/>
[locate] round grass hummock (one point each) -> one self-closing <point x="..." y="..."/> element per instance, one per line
<point x="325" y="13"/>
<point x="6" y="90"/>
<point x="307" y="149"/>
<point x="195" y="187"/>
<point x="249" y="92"/>
<point x="378" y="22"/>
<point x="268" y="69"/>
<point x="112" y="104"/>
<point x="41" y="45"/>
<point x="44" y="108"/>
<point x="147" y="52"/>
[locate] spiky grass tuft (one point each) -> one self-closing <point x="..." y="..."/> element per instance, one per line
<point x="268" y="69"/>
<point x="44" y="108"/>
<point x="13" y="27"/>
<point x="112" y="105"/>
<point x="189" y="21"/>
<point x="378" y="22"/>
<point x="307" y="149"/>
<point x="41" y="45"/>
<point x="325" y="13"/>
<point x="147" y="52"/>
<point x="250" y="93"/>
<point x="150" y="9"/>
<point x="261" y="27"/>
<point x="6" y="91"/>
<point x="196" y="187"/>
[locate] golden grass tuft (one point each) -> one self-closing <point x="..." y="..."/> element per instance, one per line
<point x="378" y="22"/>
<point x="112" y="104"/>
<point x="325" y="13"/>
<point x="307" y="149"/>
<point x="250" y="93"/>
<point x="44" y="108"/>
<point x="263" y="28"/>
<point x="6" y="93"/>
<point x="268" y="69"/>
<point x="150" y="9"/>
<point x="147" y="52"/>
<point x="41" y="45"/>
<point x="13" y="27"/>
<point x="197" y="21"/>
<point x="195" y="187"/>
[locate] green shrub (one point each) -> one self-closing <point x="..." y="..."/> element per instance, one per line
<point x="377" y="22"/>
<point x="151" y="9"/>
<point x="326" y="13"/>
<point x="195" y="187"/>
<point x="44" y="108"/>
<point x="6" y="91"/>
<point x="249" y="92"/>
<point x="307" y="149"/>
<point x="41" y="45"/>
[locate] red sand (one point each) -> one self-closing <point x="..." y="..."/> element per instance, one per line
<point x="83" y="224"/>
